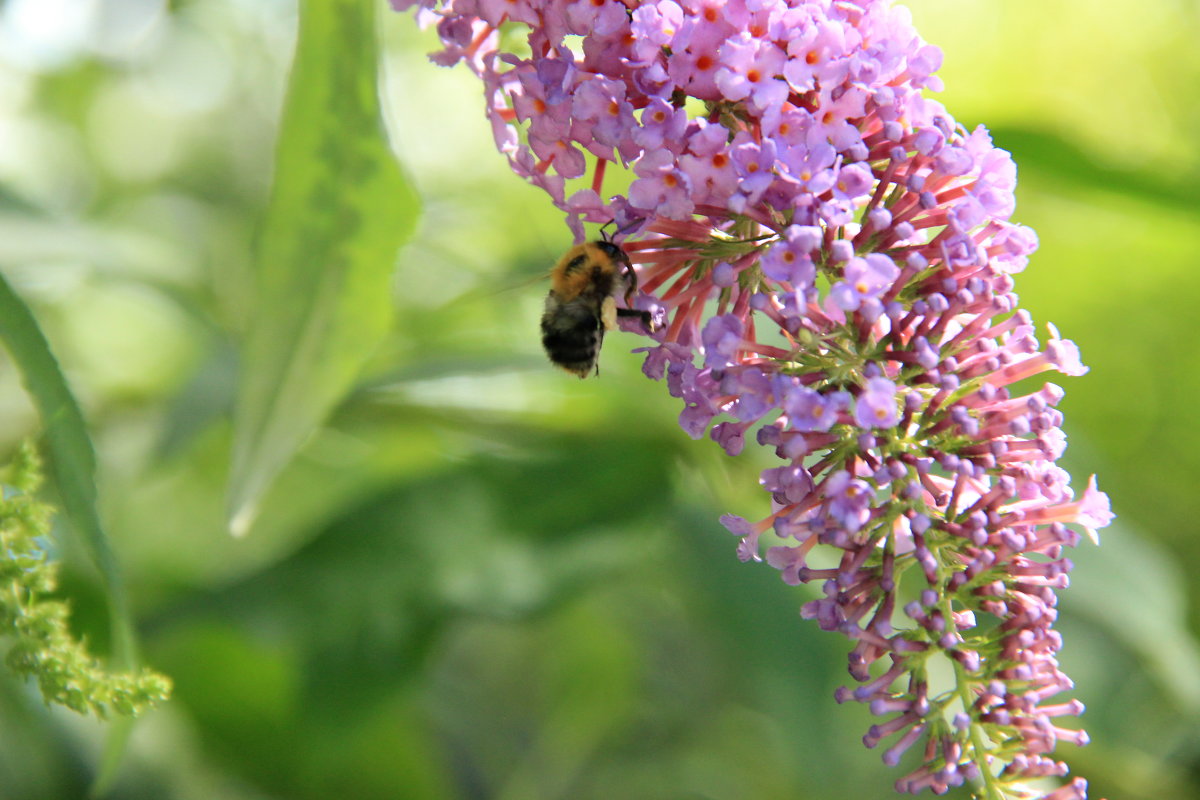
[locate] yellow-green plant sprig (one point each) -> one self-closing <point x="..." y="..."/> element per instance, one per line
<point x="43" y="646"/>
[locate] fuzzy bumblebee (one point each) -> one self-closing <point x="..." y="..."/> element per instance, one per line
<point x="582" y="304"/>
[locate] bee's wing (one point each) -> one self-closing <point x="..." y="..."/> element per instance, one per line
<point x="521" y="281"/>
<point x="509" y="283"/>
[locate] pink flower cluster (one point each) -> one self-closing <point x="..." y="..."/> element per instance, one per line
<point x="831" y="257"/>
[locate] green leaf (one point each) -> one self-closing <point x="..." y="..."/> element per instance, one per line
<point x="339" y="211"/>
<point x="73" y="462"/>
<point x="1071" y="165"/>
<point x="73" y="465"/>
<point x="1132" y="589"/>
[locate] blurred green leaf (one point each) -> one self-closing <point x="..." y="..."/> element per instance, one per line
<point x="340" y="209"/>
<point x="73" y="462"/>
<point x="1135" y="592"/>
<point x="1071" y="165"/>
<point x="73" y="465"/>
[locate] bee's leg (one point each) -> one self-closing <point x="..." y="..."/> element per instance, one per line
<point x="599" y="345"/>
<point x="644" y="316"/>
<point x="631" y="277"/>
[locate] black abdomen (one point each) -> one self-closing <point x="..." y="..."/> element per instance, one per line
<point x="572" y="333"/>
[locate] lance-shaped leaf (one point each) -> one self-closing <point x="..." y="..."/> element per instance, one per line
<point x="339" y="210"/>
<point x="73" y="466"/>
<point x="72" y="459"/>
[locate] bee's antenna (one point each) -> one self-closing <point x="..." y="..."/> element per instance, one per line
<point x="628" y="226"/>
<point x="604" y="235"/>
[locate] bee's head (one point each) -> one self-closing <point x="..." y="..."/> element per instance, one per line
<point x="613" y="251"/>
<point x="622" y="266"/>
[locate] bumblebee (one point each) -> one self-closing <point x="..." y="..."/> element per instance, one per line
<point x="582" y="304"/>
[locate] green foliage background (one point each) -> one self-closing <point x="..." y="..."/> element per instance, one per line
<point x="482" y="578"/>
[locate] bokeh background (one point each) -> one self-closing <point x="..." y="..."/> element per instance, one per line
<point x="483" y="578"/>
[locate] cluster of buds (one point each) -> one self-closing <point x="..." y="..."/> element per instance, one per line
<point x="830" y="257"/>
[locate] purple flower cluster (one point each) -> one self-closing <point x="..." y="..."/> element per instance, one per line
<point x="832" y="258"/>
